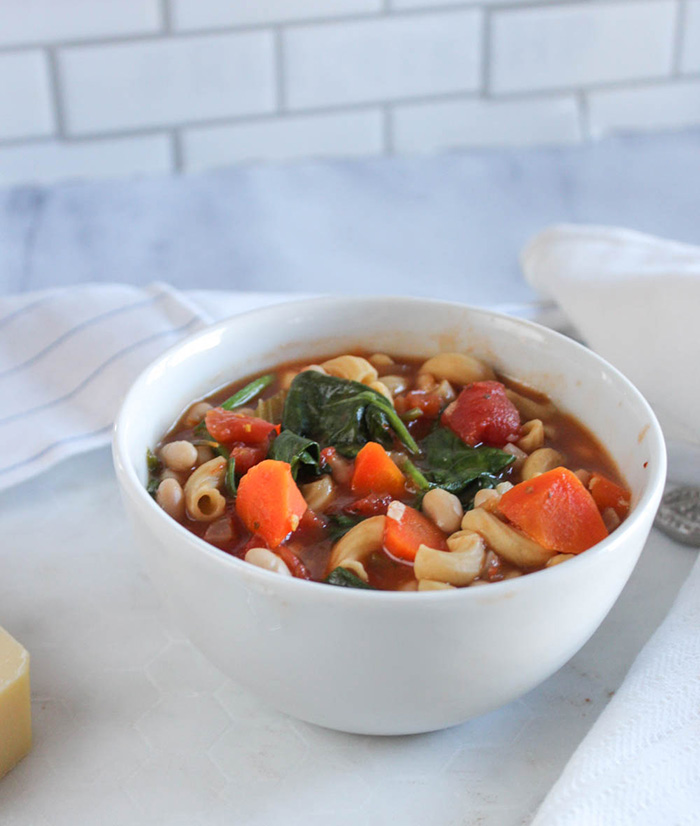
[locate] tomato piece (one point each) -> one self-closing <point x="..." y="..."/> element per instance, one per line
<point x="372" y="505"/>
<point x="430" y="404"/>
<point x="406" y="529"/>
<point x="227" y="426"/>
<point x="292" y="561"/>
<point x="483" y="414"/>
<point x="555" y="510"/>
<point x="246" y="457"/>
<point x="312" y="527"/>
<point x="606" y="494"/>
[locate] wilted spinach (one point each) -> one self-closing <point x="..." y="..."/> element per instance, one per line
<point x="298" y="451"/>
<point x="343" y="414"/>
<point x="447" y="462"/>
<point x="346" y="579"/>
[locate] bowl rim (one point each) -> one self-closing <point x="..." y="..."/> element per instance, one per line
<point x="127" y="478"/>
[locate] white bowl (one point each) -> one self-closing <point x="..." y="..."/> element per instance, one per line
<point x="386" y="662"/>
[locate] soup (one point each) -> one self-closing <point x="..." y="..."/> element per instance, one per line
<point x="382" y="472"/>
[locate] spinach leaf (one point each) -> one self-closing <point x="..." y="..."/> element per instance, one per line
<point x="298" y="451"/>
<point x="341" y="413"/>
<point x="230" y="478"/>
<point x="153" y="465"/>
<point x="450" y="464"/>
<point x="250" y="391"/>
<point x="340" y="523"/>
<point x="346" y="579"/>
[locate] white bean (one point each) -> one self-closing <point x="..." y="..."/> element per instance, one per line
<point x="171" y="498"/>
<point x="263" y="558"/>
<point x="444" y="509"/>
<point x="180" y="455"/>
<point x="196" y="413"/>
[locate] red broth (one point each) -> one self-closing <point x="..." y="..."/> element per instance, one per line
<point x="424" y="404"/>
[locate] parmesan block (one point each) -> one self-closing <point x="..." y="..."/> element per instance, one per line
<point x="15" y="709"/>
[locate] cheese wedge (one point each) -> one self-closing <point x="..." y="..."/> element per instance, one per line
<point x="15" y="709"/>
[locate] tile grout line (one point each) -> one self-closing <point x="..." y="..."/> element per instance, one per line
<point x="57" y="102"/>
<point x="678" y="38"/>
<point x="279" y="58"/>
<point x="166" y="17"/>
<point x="486" y="53"/>
<point x="183" y="34"/>
<point x="329" y="109"/>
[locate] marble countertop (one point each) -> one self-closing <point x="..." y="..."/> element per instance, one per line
<point x="448" y="226"/>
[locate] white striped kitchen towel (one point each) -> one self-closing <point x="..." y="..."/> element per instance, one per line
<point x="67" y="356"/>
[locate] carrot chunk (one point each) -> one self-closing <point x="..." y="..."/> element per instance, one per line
<point x="227" y="426"/>
<point x="406" y="529"/>
<point x="606" y="494"/>
<point x="269" y="502"/>
<point x="376" y="472"/>
<point x="555" y="510"/>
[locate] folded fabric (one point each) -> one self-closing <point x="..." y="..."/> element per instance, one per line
<point x="66" y="358"/>
<point x="634" y="298"/>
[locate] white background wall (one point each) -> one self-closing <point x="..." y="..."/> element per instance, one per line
<point x="101" y="88"/>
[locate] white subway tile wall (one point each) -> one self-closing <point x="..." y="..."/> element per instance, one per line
<point x="346" y="134"/>
<point x="690" y="55"/>
<point x="93" y="88"/>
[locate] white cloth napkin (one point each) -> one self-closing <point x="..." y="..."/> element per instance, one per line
<point x="635" y="299"/>
<point x="68" y="355"/>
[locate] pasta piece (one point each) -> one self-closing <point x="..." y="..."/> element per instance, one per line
<point x="381" y="360"/>
<point x="434" y="585"/>
<point x="352" y="368"/>
<point x="533" y="436"/>
<point x="380" y="387"/>
<point x="356" y="567"/>
<point x="457" y="368"/>
<point x="359" y="542"/>
<point x="319" y="494"/>
<point x="529" y="408"/>
<point x="395" y="384"/>
<point x="542" y="460"/>
<point x="454" y="567"/>
<point x="513" y="546"/>
<point x="555" y="560"/>
<point x="203" y="500"/>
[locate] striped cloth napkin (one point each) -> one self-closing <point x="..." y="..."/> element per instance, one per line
<point x="67" y="356"/>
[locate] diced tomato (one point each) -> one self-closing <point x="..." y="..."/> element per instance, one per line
<point x="372" y="505"/>
<point x="327" y="455"/>
<point x="227" y="426"/>
<point x="292" y="561"/>
<point x="246" y="457"/>
<point x="429" y="403"/>
<point x="606" y="494"/>
<point x="312" y="527"/>
<point x="406" y="529"/>
<point x="555" y="510"/>
<point x="483" y="414"/>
